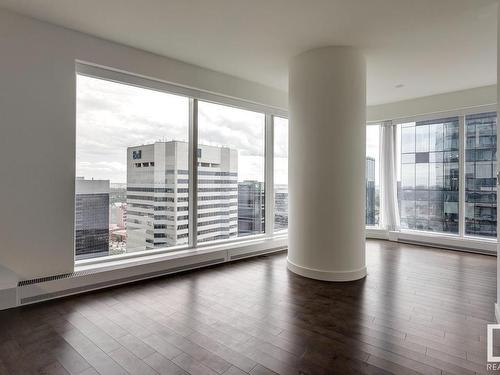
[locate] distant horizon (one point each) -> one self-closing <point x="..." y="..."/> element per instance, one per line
<point x="124" y="183"/>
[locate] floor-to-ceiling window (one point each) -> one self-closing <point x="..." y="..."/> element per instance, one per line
<point x="428" y="190"/>
<point x="372" y="176"/>
<point x="480" y="170"/>
<point x="131" y="168"/>
<point x="134" y="162"/>
<point x="280" y="173"/>
<point x="231" y="166"/>
<point x="447" y="175"/>
<point x="136" y="156"/>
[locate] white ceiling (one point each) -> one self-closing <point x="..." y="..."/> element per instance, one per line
<point x="429" y="46"/>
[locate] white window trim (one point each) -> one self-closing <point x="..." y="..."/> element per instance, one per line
<point x="269" y="176"/>
<point x="246" y="245"/>
<point x="114" y="75"/>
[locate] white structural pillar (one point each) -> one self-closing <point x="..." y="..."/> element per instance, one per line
<point x="327" y="106"/>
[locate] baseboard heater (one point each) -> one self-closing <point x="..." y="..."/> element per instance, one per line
<point x="104" y="284"/>
<point x="57" y="286"/>
<point x="255" y="253"/>
<point x="446" y="246"/>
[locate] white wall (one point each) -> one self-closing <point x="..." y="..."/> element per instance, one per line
<point x="37" y="131"/>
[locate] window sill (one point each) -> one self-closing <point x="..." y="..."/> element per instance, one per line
<point x="121" y="271"/>
<point x="253" y="244"/>
<point x="261" y="243"/>
<point x="376" y="233"/>
<point x="479" y="245"/>
<point x="448" y="241"/>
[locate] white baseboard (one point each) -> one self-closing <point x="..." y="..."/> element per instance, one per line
<point x="341" y="276"/>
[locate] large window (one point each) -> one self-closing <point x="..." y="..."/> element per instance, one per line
<point x="135" y="165"/>
<point x="231" y="195"/>
<point x="135" y="162"/>
<point x="429" y="187"/>
<point x="132" y="164"/>
<point x="480" y="170"/>
<point x="372" y="175"/>
<point x="280" y="173"/>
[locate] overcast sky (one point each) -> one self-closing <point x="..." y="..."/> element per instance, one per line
<point x="113" y="116"/>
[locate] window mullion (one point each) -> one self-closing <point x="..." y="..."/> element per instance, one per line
<point x="269" y="175"/>
<point x="461" y="174"/>
<point x="193" y="172"/>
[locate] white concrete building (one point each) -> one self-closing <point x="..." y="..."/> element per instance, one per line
<point x="157" y="194"/>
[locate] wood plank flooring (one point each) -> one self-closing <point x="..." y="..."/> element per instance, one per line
<point x="420" y="310"/>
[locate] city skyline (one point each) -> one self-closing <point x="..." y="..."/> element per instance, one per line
<point x="113" y="116"/>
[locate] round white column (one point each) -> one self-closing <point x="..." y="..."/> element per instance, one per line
<point x="327" y="106"/>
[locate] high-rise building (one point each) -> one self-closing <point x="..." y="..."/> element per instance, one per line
<point x="429" y="190"/>
<point x="280" y="207"/>
<point x="158" y="194"/>
<point x="480" y="171"/>
<point x="118" y="215"/>
<point x="370" y="191"/>
<point x="91" y="218"/>
<point x="251" y="203"/>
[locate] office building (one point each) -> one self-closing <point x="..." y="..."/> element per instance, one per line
<point x="118" y="215"/>
<point x="480" y="171"/>
<point x="429" y="196"/>
<point x="91" y="218"/>
<point x="158" y="190"/>
<point x="251" y="203"/>
<point x="280" y="207"/>
<point x="370" y="191"/>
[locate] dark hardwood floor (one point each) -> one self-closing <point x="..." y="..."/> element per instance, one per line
<point x="420" y="310"/>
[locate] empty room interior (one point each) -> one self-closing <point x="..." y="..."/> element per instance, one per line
<point x="231" y="187"/>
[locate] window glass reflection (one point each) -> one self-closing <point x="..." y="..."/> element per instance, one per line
<point x="428" y="186"/>
<point x="480" y="182"/>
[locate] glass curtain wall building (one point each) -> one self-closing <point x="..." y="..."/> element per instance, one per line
<point x="372" y="175"/>
<point x="280" y="173"/>
<point x="371" y="213"/>
<point x="480" y="171"/>
<point x="428" y="192"/>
